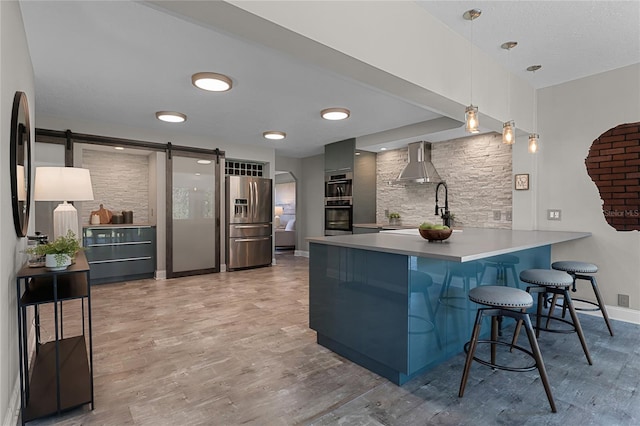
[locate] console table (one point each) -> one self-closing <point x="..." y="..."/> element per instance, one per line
<point x="60" y="374"/>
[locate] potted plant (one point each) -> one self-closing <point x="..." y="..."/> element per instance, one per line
<point x="394" y="218"/>
<point x="59" y="253"/>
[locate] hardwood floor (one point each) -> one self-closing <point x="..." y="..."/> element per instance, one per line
<point x="235" y="348"/>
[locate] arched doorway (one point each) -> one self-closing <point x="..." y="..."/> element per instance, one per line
<point x="285" y="212"/>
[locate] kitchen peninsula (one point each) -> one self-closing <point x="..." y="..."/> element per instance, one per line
<point x="397" y="304"/>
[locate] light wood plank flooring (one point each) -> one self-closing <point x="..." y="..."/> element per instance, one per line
<point x="235" y="349"/>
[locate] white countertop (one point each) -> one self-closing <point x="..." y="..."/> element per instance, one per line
<point x="470" y="244"/>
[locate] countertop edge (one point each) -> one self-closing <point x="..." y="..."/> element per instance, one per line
<point x="471" y="255"/>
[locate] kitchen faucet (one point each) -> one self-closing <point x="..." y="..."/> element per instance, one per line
<point x="443" y="213"/>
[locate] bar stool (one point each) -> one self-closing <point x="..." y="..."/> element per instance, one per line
<point x="557" y="283"/>
<point x="508" y="302"/>
<point x="577" y="270"/>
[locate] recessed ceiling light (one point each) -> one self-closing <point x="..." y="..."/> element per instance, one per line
<point x="335" y="113"/>
<point x="204" y="161"/>
<point x="274" y="135"/>
<point x="119" y="148"/>
<point x="171" y="116"/>
<point x="197" y="174"/>
<point x="357" y="153"/>
<point x="383" y="149"/>
<point x="211" y="81"/>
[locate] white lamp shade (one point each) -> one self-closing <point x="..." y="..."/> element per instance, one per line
<point x="63" y="184"/>
<point x="279" y="211"/>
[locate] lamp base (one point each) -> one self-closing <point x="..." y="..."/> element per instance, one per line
<point x="65" y="218"/>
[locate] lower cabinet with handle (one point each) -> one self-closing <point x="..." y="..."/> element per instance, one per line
<point x="120" y="253"/>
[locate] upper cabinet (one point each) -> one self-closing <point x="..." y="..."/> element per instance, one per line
<point x="339" y="155"/>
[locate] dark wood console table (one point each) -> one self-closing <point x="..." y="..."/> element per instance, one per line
<point x="59" y="377"/>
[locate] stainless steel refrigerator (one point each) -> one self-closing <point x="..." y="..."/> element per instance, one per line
<point x="248" y="221"/>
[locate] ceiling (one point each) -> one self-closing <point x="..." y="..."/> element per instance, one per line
<point x="118" y="62"/>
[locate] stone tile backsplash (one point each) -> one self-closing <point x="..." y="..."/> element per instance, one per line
<point x="120" y="182"/>
<point x="477" y="171"/>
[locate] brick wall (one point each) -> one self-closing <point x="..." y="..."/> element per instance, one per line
<point x="613" y="164"/>
<point x="120" y="182"/>
<point x="478" y="173"/>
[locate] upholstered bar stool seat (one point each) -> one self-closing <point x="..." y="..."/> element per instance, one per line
<point x="557" y="283"/>
<point x="509" y="302"/>
<point x="577" y="270"/>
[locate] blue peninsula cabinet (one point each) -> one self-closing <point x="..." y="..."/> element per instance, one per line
<point x="398" y="305"/>
<point x="120" y="252"/>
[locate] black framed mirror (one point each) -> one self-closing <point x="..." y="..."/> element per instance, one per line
<point x="20" y="159"/>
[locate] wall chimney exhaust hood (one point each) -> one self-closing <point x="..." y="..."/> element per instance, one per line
<point x="419" y="167"/>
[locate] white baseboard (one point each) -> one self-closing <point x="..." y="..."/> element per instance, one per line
<point x="617" y="313"/>
<point x="303" y="253"/>
<point x="12" y="416"/>
<point x="223" y="267"/>
<point x="161" y="275"/>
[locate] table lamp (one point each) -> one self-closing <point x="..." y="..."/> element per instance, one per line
<point x="279" y="211"/>
<point x="63" y="184"/>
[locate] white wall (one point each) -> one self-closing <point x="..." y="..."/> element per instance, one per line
<point x="16" y="73"/>
<point x="311" y="196"/>
<point x="571" y="116"/>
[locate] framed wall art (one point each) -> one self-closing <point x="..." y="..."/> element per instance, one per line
<point x="522" y="181"/>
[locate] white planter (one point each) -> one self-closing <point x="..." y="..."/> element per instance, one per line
<point x="52" y="262"/>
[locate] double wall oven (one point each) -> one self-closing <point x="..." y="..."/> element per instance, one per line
<point x="338" y="198"/>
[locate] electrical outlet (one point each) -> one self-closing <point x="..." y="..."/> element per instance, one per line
<point x="623" y="300"/>
<point x="497" y="215"/>
<point x="554" y="214"/>
<point x="508" y="216"/>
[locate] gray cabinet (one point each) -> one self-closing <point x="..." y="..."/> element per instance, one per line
<point x="364" y="188"/>
<point x="120" y="253"/>
<point x="342" y="156"/>
<point x="365" y="230"/>
<point x="339" y="155"/>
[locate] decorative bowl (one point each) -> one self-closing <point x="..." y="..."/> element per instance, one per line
<point x="435" y="234"/>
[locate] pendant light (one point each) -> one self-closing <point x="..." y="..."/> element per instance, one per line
<point x="471" y="112"/>
<point x="509" y="126"/>
<point x="533" y="137"/>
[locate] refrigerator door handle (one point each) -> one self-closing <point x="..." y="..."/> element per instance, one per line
<point x="255" y="206"/>
<point x="255" y="199"/>
<point x="248" y="240"/>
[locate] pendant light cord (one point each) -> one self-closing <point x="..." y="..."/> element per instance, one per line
<point x="508" y="85"/>
<point x="471" y="63"/>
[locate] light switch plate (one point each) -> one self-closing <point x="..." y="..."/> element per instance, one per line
<point x="497" y="215"/>
<point x="554" y="214"/>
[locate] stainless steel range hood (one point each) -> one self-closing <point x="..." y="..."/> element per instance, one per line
<point x="419" y="167"/>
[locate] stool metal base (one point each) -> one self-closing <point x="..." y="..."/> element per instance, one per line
<point x="575" y="322"/>
<point x="599" y="305"/>
<point x="471" y="346"/>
